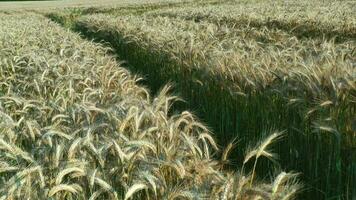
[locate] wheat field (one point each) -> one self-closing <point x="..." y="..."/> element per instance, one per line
<point x="178" y="99"/>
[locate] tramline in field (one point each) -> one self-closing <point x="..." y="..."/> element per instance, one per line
<point x="259" y="78"/>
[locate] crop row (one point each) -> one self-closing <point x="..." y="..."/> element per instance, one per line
<point x="75" y="125"/>
<point x="244" y="81"/>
